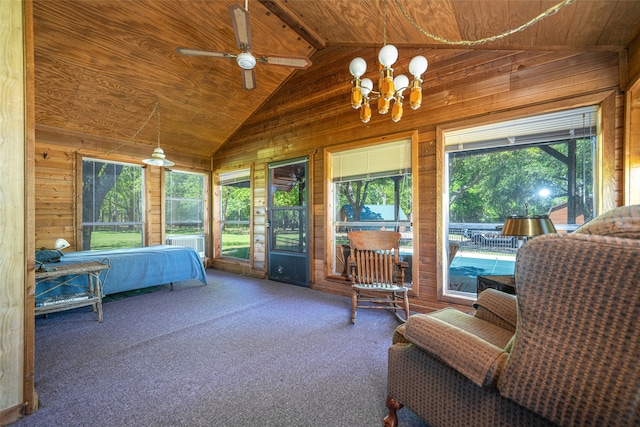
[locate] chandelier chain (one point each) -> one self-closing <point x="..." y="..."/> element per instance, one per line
<point x="155" y="108"/>
<point x="551" y="11"/>
<point x="384" y="22"/>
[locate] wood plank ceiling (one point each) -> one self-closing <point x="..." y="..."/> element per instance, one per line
<point x="100" y="65"/>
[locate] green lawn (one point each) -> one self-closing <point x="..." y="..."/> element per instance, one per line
<point x="236" y="245"/>
<point x="115" y="239"/>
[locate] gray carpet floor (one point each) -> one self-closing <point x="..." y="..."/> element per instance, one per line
<point x="237" y="352"/>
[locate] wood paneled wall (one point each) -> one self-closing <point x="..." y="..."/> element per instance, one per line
<point x="461" y="87"/>
<point x="631" y="154"/>
<point x="312" y="111"/>
<point x="16" y="260"/>
<point x="59" y="189"/>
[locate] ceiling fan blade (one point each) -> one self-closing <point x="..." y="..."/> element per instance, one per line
<point x="249" y="79"/>
<point x="197" y="52"/>
<point x="287" y="61"/>
<point x="240" y="20"/>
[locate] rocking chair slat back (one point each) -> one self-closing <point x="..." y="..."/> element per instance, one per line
<point x="375" y="254"/>
<point x="374" y="266"/>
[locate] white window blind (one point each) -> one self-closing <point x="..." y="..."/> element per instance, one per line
<point x="557" y="126"/>
<point x="234" y="177"/>
<point x="388" y="159"/>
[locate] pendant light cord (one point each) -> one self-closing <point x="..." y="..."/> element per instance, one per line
<point x="155" y="108"/>
<point x="551" y="11"/>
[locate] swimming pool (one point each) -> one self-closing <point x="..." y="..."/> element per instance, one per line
<point x="481" y="265"/>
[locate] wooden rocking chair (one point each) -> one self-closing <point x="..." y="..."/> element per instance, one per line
<point x="375" y="269"/>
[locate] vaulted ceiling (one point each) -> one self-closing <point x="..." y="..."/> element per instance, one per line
<point x="101" y="65"/>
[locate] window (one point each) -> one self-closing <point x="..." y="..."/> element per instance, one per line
<point x="235" y="214"/>
<point x="184" y="197"/>
<point x="542" y="165"/>
<point x="372" y="189"/>
<point x="112" y="205"/>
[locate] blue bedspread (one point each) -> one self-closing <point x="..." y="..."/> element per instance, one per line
<point x="136" y="268"/>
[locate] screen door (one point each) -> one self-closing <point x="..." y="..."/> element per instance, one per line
<point x="288" y="222"/>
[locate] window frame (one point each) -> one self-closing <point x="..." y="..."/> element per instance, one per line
<point x="330" y="239"/>
<point x="604" y="161"/>
<point x="204" y="202"/>
<point x="237" y="175"/>
<point x="142" y="223"/>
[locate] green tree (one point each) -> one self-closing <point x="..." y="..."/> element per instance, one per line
<point x="489" y="185"/>
<point x="98" y="179"/>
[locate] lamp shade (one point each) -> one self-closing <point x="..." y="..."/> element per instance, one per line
<point x="158" y="159"/>
<point x="528" y="226"/>
<point x="61" y="244"/>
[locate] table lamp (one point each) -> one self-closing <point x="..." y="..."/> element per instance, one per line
<point x="528" y="225"/>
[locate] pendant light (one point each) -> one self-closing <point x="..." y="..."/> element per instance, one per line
<point x="158" y="158"/>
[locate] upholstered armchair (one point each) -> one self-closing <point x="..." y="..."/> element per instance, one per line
<point x="564" y="351"/>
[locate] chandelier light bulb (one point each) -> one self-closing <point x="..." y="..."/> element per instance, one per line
<point x="388" y="55"/>
<point x="357" y="67"/>
<point x="366" y="86"/>
<point x="418" y="66"/>
<point x="401" y="82"/>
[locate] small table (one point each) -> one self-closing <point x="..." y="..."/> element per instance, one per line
<point x="62" y="276"/>
<point x="502" y="283"/>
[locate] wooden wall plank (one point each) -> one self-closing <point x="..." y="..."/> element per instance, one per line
<point x="16" y="266"/>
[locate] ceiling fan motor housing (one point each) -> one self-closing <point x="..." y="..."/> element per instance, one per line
<point x="246" y="61"/>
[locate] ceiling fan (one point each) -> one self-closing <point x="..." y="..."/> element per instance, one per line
<point x="246" y="60"/>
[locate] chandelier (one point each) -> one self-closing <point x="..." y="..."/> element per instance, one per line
<point x="390" y="88"/>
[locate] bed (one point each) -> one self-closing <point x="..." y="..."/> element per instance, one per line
<point x="137" y="268"/>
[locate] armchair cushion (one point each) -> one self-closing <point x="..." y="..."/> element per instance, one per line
<point x="498" y="308"/>
<point x="620" y="222"/>
<point x="472" y="346"/>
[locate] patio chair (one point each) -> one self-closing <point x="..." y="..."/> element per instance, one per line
<point x="377" y="274"/>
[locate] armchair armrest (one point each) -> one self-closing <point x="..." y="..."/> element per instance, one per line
<point x="475" y="358"/>
<point x="498" y="308"/>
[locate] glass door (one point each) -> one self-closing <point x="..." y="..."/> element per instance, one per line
<point x="288" y="222"/>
